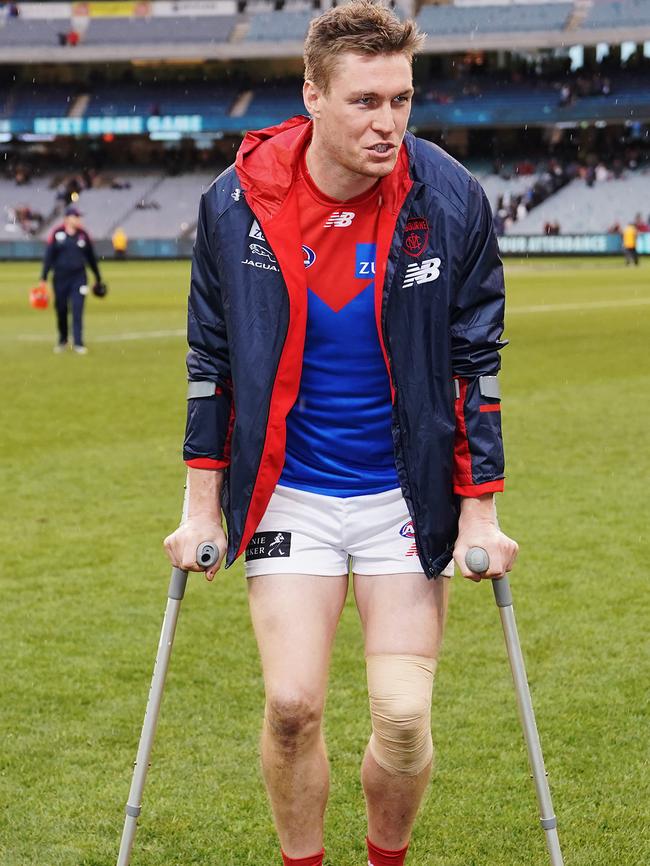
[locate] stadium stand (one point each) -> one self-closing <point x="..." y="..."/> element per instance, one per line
<point x="105" y="208"/>
<point x="29" y="102"/>
<point x="458" y="20"/>
<point x="151" y="31"/>
<point x="583" y="209"/>
<point x="21" y="204"/>
<point x="212" y="100"/>
<point x="619" y="14"/>
<point x="496" y="186"/>
<point x="278" y="26"/>
<point x="30" y="33"/>
<point x="172" y="207"/>
<point x="274" y="103"/>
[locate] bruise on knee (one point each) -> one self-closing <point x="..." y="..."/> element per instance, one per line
<point x="399" y="691"/>
<point x="292" y="721"/>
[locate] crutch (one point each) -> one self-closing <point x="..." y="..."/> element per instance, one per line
<point x="207" y="554"/>
<point x="478" y="561"/>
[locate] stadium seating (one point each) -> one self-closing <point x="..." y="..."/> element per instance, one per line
<point x="31" y="33"/>
<point x="273" y="103"/>
<point x="105" y="208"/>
<point x="279" y="26"/>
<point x="38" y="196"/>
<point x="496" y="186"/>
<point x="34" y="33"/>
<point x="620" y="13"/>
<point x="30" y="102"/>
<point x="177" y="200"/>
<point x="119" y="100"/>
<point x="581" y="209"/>
<point x="459" y="20"/>
<point x="151" y="31"/>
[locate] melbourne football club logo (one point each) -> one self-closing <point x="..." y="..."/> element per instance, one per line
<point x="416" y="235"/>
<point x="309" y="256"/>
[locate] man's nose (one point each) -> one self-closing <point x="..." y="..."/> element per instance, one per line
<point x="383" y="121"/>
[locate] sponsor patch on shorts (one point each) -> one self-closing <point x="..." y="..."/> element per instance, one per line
<point x="268" y="544"/>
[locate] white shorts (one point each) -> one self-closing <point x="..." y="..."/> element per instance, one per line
<point x="307" y="533"/>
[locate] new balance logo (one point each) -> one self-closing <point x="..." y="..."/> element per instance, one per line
<point x="339" y="219"/>
<point x="425" y="272"/>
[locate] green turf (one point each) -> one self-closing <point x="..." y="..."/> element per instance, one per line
<point x="91" y="482"/>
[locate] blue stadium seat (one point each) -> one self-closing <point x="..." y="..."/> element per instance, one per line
<point x="458" y="20"/>
<point x="620" y="13"/>
<point x="279" y="26"/>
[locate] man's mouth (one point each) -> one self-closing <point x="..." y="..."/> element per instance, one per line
<point x="383" y="147"/>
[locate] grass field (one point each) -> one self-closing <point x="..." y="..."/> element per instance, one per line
<point x="91" y="482"/>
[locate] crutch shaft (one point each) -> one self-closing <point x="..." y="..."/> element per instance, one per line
<point x="175" y="594"/>
<point x="548" y="820"/>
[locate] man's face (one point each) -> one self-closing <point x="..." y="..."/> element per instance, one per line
<point x="72" y="223"/>
<point x="361" y="120"/>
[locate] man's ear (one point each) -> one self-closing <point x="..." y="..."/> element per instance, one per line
<point x="311" y="95"/>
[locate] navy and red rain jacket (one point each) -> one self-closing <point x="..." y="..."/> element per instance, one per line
<point x="439" y="311"/>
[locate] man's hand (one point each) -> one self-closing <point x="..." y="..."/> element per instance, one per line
<point x="181" y="545"/>
<point x="478" y="527"/>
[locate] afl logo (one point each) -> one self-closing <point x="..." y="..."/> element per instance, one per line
<point x="407" y="531"/>
<point x="310" y="256"/>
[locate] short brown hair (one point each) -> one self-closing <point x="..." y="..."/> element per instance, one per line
<point x="363" y="27"/>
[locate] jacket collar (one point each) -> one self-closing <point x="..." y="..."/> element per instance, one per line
<point x="268" y="159"/>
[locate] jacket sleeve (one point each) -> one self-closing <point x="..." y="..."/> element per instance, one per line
<point x="210" y="407"/>
<point x="477" y="316"/>
<point x="50" y="255"/>
<point x="91" y="258"/>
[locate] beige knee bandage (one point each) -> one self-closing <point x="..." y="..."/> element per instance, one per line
<point x="399" y="689"/>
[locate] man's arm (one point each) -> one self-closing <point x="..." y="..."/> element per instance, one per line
<point x="476" y="330"/>
<point x="91" y="258"/>
<point x="203" y="522"/>
<point x="210" y="410"/>
<point x="48" y="260"/>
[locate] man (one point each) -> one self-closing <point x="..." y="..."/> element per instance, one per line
<point x="345" y="320"/>
<point x="68" y="251"/>
<point x="120" y="243"/>
<point x="630" y="234"/>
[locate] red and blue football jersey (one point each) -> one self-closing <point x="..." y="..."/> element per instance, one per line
<point x="339" y="431"/>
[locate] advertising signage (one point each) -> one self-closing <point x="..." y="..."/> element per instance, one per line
<point x="130" y="125"/>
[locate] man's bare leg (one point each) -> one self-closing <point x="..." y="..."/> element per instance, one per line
<point x="295" y="619"/>
<point x="400" y="614"/>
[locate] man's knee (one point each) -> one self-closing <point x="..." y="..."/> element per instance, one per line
<point x="399" y="689"/>
<point x="293" y="719"/>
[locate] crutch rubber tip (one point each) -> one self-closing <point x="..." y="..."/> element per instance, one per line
<point x="477" y="560"/>
<point x="207" y="554"/>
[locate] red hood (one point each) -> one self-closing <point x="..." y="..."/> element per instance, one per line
<point x="268" y="159"/>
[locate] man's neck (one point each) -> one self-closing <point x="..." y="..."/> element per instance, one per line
<point x="334" y="180"/>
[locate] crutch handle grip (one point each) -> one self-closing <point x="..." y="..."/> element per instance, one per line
<point x="477" y="560"/>
<point x="207" y="554"/>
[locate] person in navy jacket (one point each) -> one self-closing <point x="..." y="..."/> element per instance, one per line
<point x="69" y="250"/>
<point x="345" y="324"/>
